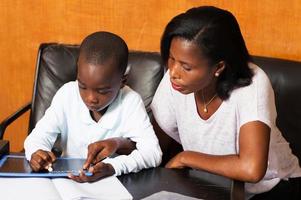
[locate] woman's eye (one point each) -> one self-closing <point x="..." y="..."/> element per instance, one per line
<point x="186" y="67"/>
<point x="171" y="58"/>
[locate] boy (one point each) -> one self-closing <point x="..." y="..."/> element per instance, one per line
<point x="97" y="116"/>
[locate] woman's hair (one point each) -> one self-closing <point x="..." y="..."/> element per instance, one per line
<point x="217" y="34"/>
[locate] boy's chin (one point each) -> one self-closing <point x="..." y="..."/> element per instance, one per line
<point x="94" y="109"/>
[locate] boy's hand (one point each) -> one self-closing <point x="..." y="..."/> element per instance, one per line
<point x="41" y="159"/>
<point x="100" y="170"/>
<point x="98" y="151"/>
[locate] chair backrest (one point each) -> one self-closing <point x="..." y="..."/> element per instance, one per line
<point x="56" y="65"/>
<point x="285" y="77"/>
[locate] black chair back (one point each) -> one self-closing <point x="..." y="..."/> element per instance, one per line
<point x="56" y="65"/>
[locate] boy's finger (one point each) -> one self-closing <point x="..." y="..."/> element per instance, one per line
<point x="89" y="159"/>
<point x="35" y="165"/>
<point x="99" y="158"/>
<point x="52" y="156"/>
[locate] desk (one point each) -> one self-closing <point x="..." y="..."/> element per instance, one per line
<point x="188" y="182"/>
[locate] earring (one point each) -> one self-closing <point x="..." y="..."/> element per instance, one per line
<point x="216" y="74"/>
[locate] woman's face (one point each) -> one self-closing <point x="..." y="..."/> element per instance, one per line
<point x="189" y="70"/>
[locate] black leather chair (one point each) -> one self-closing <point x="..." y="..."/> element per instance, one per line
<point x="285" y="76"/>
<point x="56" y="65"/>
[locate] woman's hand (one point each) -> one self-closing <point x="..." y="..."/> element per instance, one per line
<point x="176" y="161"/>
<point x="99" y="170"/>
<point x="41" y="160"/>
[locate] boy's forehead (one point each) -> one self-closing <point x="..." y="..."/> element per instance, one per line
<point x="98" y="74"/>
<point x="107" y="64"/>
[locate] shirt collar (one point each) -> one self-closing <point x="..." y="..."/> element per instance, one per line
<point x="109" y="119"/>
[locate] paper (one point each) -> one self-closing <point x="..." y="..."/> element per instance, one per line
<point x="165" y="195"/>
<point x="62" y="189"/>
<point x="107" y="188"/>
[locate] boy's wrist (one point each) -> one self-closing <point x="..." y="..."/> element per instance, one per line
<point x="124" y="145"/>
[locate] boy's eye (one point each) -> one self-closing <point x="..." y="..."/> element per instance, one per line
<point x="103" y="92"/>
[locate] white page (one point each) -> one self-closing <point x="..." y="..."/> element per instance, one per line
<point x="107" y="188"/>
<point x="28" y="188"/>
<point x="168" y="196"/>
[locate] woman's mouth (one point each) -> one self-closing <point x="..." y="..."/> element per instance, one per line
<point x="176" y="87"/>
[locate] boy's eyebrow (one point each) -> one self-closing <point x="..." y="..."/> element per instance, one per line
<point x="97" y="88"/>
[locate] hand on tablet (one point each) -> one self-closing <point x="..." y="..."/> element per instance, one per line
<point x="41" y="160"/>
<point x="99" y="170"/>
<point x="98" y="151"/>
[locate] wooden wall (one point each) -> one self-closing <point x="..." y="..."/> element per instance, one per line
<point x="270" y="28"/>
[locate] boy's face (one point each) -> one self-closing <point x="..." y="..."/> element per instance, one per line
<point x="98" y="84"/>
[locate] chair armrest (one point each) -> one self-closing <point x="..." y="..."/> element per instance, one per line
<point x="12" y="118"/>
<point x="4" y="148"/>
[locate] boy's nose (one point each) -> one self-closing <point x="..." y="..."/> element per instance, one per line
<point x="92" y="98"/>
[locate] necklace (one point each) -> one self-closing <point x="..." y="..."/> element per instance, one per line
<point x="207" y="104"/>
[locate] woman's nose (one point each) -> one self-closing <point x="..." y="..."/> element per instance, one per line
<point x="174" y="70"/>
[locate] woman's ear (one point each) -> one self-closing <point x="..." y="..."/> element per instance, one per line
<point x="123" y="80"/>
<point x="219" y="68"/>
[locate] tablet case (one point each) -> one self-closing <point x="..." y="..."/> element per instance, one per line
<point x="18" y="166"/>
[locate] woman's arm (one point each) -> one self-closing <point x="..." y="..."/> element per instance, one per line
<point x="249" y="165"/>
<point x="169" y="146"/>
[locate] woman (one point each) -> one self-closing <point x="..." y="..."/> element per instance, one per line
<point x="220" y="106"/>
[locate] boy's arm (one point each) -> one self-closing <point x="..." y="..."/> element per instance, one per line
<point x="100" y="150"/>
<point x="46" y="130"/>
<point x="125" y="146"/>
<point x="139" y="130"/>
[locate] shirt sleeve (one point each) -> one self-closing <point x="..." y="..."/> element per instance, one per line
<point x="163" y="108"/>
<point x="257" y="101"/>
<point x="48" y="127"/>
<point x="138" y="128"/>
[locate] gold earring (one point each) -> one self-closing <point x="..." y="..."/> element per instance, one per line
<point x="216" y="74"/>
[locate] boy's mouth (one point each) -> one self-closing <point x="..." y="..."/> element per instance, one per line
<point x="93" y="108"/>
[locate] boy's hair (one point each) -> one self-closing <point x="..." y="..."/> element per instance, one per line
<point x="99" y="47"/>
<point x="216" y="32"/>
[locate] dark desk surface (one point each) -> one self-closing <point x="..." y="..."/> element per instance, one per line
<point x="188" y="182"/>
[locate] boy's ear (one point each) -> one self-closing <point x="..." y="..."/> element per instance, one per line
<point x="124" y="80"/>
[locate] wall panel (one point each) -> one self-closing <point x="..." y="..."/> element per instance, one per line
<point x="270" y="28"/>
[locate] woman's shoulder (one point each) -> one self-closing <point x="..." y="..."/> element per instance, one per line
<point x="260" y="84"/>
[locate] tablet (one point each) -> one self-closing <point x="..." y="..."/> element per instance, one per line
<point x="18" y="166"/>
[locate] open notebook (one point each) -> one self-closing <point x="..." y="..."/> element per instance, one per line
<point x="62" y="189"/>
<point x="17" y="181"/>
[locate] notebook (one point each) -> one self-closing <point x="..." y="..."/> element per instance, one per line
<point x="37" y="188"/>
<point x="22" y="183"/>
<point x="18" y="166"/>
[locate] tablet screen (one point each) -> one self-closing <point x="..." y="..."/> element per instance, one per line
<point x="18" y="166"/>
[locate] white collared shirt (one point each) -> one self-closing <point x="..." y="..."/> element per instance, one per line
<point x="126" y="117"/>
